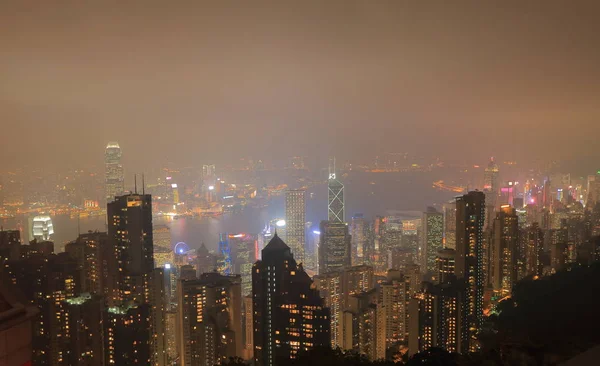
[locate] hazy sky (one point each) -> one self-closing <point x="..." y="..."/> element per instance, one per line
<point x="196" y="81"/>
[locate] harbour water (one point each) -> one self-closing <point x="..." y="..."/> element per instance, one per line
<point x="367" y="193"/>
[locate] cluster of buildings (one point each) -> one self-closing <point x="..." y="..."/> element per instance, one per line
<point x="378" y="287"/>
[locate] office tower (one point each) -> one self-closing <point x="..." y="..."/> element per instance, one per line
<point x="205" y="262"/>
<point x="47" y="281"/>
<point x="394" y="298"/>
<point x="534" y="246"/>
<point x="289" y="315"/>
<point x="433" y="236"/>
<point x="450" y="224"/>
<point x="248" y="328"/>
<point x="401" y="258"/>
<point x="504" y="249"/>
<point x="490" y="183"/>
<point x="113" y="171"/>
<point x="295" y="219"/>
<point x="244" y="252"/>
<point x="436" y="318"/>
<point x="85" y="318"/>
<point x="470" y="216"/>
<point x="16" y="322"/>
<point x="130" y="236"/>
<point x="42" y="228"/>
<point x="334" y="247"/>
<point x="445" y="265"/>
<point x="335" y="207"/>
<point x="363" y="325"/>
<point x="10" y="245"/>
<point x="312" y="251"/>
<point x="163" y="250"/>
<point x="88" y="251"/>
<point x="210" y="318"/>
<point x="359" y="233"/>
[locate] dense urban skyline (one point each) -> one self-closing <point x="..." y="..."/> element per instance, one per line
<point x="181" y="82"/>
<point x="320" y="183"/>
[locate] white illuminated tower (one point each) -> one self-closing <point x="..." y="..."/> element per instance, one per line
<point x="295" y="219"/>
<point x="113" y="171"/>
<point x="335" y="207"/>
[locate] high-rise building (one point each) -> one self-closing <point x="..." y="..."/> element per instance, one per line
<point x="84" y="318"/>
<point x="295" y="219"/>
<point x="160" y="303"/>
<point x="205" y="261"/>
<point x="470" y="217"/>
<point x="210" y="319"/>
<point x="394" y="296"/>
<point x="437" y="318"/>
<point x="363" y="325"/>
<point x="504" y="251"/>
<point x="445" y="265"/>
<point x="47" y="281"/>
<point x="360" y="248"/>
<point x="128" y="334"/>
<point x="248" y="328"/>
<point x="330" y="289"/>
<point x="113" y="171"/>
<point x="130" y="236"/>
<point x="163" y="250"/>
<point x="335" y="207"/>
<point x="89" y="250"/>
<point x="10" y="245"/>
<point x="490" y="182"/>
<point x="334" y="247"/>
<point x="244" y="252"/>
<point x="433" y="237"/>
<point x="534" y="246"/>
<point x="450" y="224"/>
<point x="289" y="314"/>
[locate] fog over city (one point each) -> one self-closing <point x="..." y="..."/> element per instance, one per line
<point x="199" y="80"/>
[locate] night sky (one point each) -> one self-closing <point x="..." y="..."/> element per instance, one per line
<point x="196" y="82"/>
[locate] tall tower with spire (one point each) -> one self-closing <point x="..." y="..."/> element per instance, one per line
<point x="490" y="183"/>
<point x="335" y="206"/>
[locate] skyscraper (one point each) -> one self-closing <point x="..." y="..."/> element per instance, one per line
<point x="450" y="224"/>
<point x="504" y="250"/>
<point x="490" y="182"/>
<point x="470" y="217"/>
<point x="361" y="253"/>
<point x="130" y="236"/>
<point x="289" y="314"/>
<point x="433" y="236"/>
<point x="113" y="171"/>
<point x="210" y="318"/>
<point x="334" y="247"/>
<point x="335" y="206"/>
<point x="445" y="265"/>
<point x="88" y="250"/>
<point x="295" y="219"/>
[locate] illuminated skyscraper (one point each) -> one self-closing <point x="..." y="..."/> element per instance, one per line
<point x="89" y="251"/>
<point x="490" y="182"/>
<point x="394" y="296"/>
<point x="289" y="314"/>
<point x="470" y="217"/>
<point x="361" y="253"/>
<point x="113" y="171"/>
<point x="504" y="249"/>
<point x="163" y="250"/>
<point x="450" y="224"/>
<point x="295" y="219"/>
<point x="534" y="246"/>
<point x="433" y="236"/>
<point x="335" y="211"/>
<point x="210" y="318"/>
<point x="130" y="234"/>
<point x="334" y="247"/>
